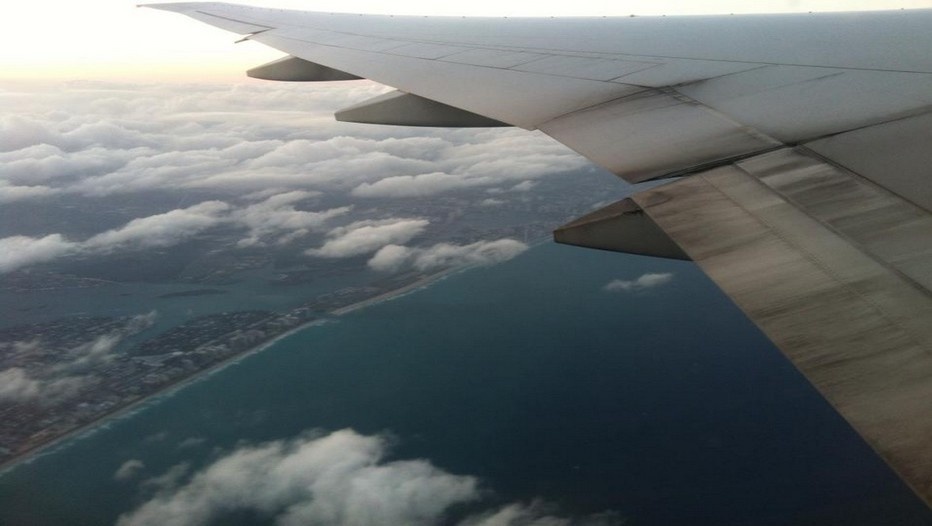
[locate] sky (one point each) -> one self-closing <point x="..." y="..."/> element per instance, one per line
<point x="113" y="40"/>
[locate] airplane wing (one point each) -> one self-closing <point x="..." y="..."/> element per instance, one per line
<point x="801" y="146"/>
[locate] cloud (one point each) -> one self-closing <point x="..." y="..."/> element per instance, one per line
<point x="128" y="470"/>
<point x="276" y="216"/>
<point x="341" y="478"/>
<point x="537" y="514"/>
<point x="102" y="140"/>
<point x="413" y="185"/>
<point x="524" y="186"/>
<point x="445" y="255"/>
<point x="168" y="481"/>
<point x="95" y="352"/>
<point x="160" y="230"/>
<point x="192" y="442"/>
<point x="646" y="281"/>
<point x="102" y="349"/>
<point x="68" y="375"/>
<point x="363" y="237"/>
<point x="18" y="386"/>
<point x="390" y="258"/>
<point x="10" y="192"/>
<point x="20" y="251"/>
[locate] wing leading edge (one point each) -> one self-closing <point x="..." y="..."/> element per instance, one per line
<point x="805" y="139"/>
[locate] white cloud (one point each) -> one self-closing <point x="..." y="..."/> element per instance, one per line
<point x="363" y="237"/>
<point x="524" y="186"/>
<point x="645" y="281"/>
<point x="18" y="386"/>
<point x="129" y="469"/>
<point x="160" y="230"/>
<point x="95" y="139"/>
<point x="95" y="352"/>
<point x="68" y="375"/>
<point x="537" y="514"/>
<point x="444" y="255"/>
<point x="340" y="478"/>
<point x="106" y="139"/>
<point x="276" y="216"/>
<point x="337" y="479"/>
<point x="413" y="185"/>
<point x="102" y="349"/>
<point x="20" y="251"/>
<point x="192" y="442"/>
<point x="10" y="192"/>
<point x="390" y="258"/>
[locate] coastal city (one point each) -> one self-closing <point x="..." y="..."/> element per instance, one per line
<point x="63" y="373"/>
<point x="118" y="380"/>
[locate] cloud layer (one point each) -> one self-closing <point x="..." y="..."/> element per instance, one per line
<point x="18" y="386"/>
<point x="342" y="478"/>
<point x="364" y="237"/>
<point x="274" y="219"/>
<point x="257" y="155"/>
<point x="124" y="139"/>
<point x="444" y="255"/>
<point x="645" y="281"/>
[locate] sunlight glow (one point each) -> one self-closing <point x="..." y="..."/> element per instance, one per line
<point x="112" y="39"/>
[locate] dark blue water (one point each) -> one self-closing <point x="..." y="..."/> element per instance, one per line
<point x="665" y="405"/>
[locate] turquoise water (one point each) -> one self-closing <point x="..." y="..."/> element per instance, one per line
<point x="665" y="405"/>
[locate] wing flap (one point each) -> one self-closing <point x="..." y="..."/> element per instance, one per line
<point x="896" y="155"/>
<point x="774" y="232"/>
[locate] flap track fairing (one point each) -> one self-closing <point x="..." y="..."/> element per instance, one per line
<point x="294" y="69"/>
<point x="620" y="227"/>
<point x="404" y="109"/>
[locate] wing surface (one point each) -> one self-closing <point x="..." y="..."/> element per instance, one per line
<point x="804" y="143"/>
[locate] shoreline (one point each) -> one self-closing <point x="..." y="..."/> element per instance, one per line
<point x="128" y="409"/>
<point x="395" y="293"/>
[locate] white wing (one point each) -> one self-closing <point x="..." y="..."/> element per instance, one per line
<point x="806" y="139"/>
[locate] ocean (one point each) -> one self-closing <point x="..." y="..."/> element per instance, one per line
<point x="661" y="403"/>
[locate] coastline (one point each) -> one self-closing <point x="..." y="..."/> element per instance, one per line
<point x="396" y="293"/>
<point x="129" y="409"/>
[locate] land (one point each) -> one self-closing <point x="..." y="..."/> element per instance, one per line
<point x="188" y="293"/>
<point x="63" y="372"/>
<point x="151" y="367"/>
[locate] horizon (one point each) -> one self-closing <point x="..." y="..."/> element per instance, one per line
<point x="115" y="41"/>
